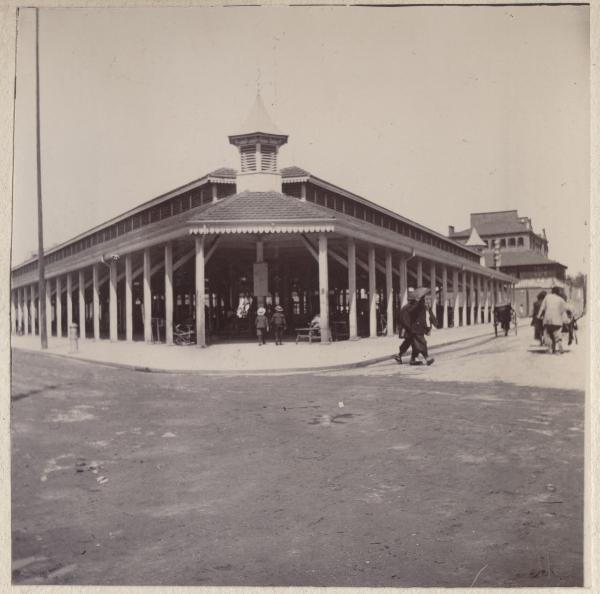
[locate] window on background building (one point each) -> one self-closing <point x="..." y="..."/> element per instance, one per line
<point x="520" y="242"/>
<point x="503" y="243"/>
<point x="511" y="242"/>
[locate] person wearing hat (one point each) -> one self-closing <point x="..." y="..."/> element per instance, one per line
<point x="262" y="325"/>
<point x="279" y="324"/>
<point x="419" y="327"/>
<point x="404" y="323"/>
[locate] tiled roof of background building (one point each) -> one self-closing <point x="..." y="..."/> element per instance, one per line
<point x="493" y="228"/>
<point x="294" y="171"/>
<point x="520" y="258"/>
<point x="260" y="206"/>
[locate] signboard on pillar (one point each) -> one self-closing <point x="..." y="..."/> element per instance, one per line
<point x="261" y="279"/>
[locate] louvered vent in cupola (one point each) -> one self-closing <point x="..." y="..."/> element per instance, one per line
<point x="269" y="159"/>
<point x="248" y="158"/>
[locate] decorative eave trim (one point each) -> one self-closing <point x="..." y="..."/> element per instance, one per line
<point x="222" y="180"/>
<point x="244" y="227"/>
<point x="294" y="180"/>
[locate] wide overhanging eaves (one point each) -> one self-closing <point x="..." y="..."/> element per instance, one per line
<point x="267" y="226"/>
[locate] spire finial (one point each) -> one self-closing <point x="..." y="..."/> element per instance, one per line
<point x="258" y="80"/>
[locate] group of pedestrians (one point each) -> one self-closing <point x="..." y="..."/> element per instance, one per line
<point x="553" y="315"/>
<point x="415" y="320"/>
<point x="264" y="324"/>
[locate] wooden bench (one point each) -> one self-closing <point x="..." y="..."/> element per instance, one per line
<point x="309" y="334"/>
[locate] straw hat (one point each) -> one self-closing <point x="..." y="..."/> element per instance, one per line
<point x="261" y="311"/>
<point x="419" y="293"/>
<point x="278" y="308"/>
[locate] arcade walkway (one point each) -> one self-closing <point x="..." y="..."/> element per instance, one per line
<point x="246" y="357"/>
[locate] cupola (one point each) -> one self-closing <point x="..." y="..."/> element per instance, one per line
<point x="258" y="141"/>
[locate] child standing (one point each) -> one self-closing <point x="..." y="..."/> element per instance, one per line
<point x="278" y="323"/>
<point x="262" y="326"/>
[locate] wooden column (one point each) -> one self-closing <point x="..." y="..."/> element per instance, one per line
<point x="444" y="296"/>
<point x="419" y="272"/>
<point x="390" y="293"/>
<point x="486" y="309"/>
<point x="34" y="309"/>
<point x="464" y="299"/>
<point x="81" y="289"/>
<point x="96" y="300"/>
<point x="58" y="300"/>
<point x="128" y="299"/>
<point x="14" y="322"/>
<point x="479" y="300"/>
<point x="112" y="302"/>
<point x="69" y="302"/>
<point x="324" y="288"/>
<point x="19" y="310"/>
<point x="403" y="280"/>
<point x="432" y="284"/>
<point x="456" y="297"/>
<point x="169" y="292"/>
<point x="26" y="291"/>
<point x="147" y="297"/>
<point x="352" y="304"/>
<point x="372" y="293"/>
<point x="200" y="322"/>
<point x="48" y="308"/>
<point x="474" y="298"/>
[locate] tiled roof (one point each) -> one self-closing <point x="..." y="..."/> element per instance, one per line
<point x="520" y="258"/>
<point x="493" y="228"/>
<point x="260" y="206"/>
<point x="223" y="172"/>
<point x="294" y="171"/>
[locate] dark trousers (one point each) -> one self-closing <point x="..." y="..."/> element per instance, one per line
<point x="261" y="333"/>
<point x="419" y="345"/>
<point x="406" y="344"/>
<point x="278" y="333"/>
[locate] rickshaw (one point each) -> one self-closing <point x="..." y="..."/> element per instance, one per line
<point x="505" y="317"/>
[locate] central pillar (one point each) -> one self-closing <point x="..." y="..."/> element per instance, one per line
<point x="372" y="294"/>
<point x="147" y="297"/>
<point x="444" y="296"/>
<point x="390" y="293"/>
<point x="58" y="307"/>
<point x="128" y="299"/>
<point x="352" y="305"/>
<point x="112" y="302"/>
<point x="169" y="292"/>
<point x="419" y="273"/>
<point x="96" y="300"/>
<point x="261" y="275"/>
<point x="200" y="322"/>
<point x="486" y="308"/>
<point x="81" y="286"/>
<point x="323" y="289"/>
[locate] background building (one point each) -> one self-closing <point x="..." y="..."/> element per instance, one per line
<point x="508" y="243"/>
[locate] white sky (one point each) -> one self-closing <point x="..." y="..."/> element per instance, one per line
<point x="432" y="112"/>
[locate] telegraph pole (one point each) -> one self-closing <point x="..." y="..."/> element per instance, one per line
<point x="41" y="266"/>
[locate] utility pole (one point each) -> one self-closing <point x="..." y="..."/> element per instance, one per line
<point x="41" y="271"/>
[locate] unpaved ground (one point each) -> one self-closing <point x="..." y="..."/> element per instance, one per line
<point x="123" y="477"/>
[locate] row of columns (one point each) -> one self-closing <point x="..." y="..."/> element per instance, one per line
<point x="23" y="312"/>
<point x="492" y="291"/>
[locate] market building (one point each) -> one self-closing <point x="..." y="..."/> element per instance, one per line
<point x="508" y="243"/>
<point x="204" y="256"/>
